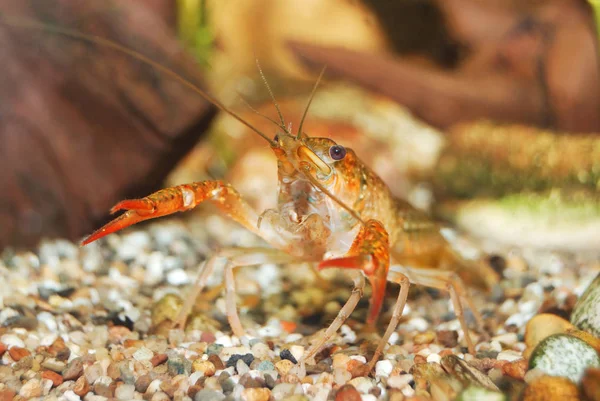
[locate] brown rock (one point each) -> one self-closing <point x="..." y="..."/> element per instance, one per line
<point x="219" y="365"/>
<point x="515" y="369"/>
<point x="2" y="349"/>
<point x="591" y="384"/>
<point x="82" y="387"/>
<point x="18" y="353"/>
<point x="113" y="371"/>
<point x="56" y="379"/>
<point x="347" y="393"/>
<point x="73" y="370"/>
<point x="142" y="383"/>
<point x="80" y="97"/>
<point x="7" y="394"/>
<point x="549" y="388"/>
<point x="158" y="359"/>
<point x="447" y="338"/>
<point x="420" y="359"/>
<point x="357" y="368"/>
<point x="59" y="350"/>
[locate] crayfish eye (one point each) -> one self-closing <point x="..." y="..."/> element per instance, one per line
<point x="337" y="152"/>
<point x="276" y="139"/>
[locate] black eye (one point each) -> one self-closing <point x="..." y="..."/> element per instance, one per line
<point x="276" y="139"/>
<point x="337" y="152"/>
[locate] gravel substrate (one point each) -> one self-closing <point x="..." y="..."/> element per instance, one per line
<point x="94" y="323"/>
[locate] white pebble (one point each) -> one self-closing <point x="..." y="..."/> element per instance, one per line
<point x="348" y="334"/>
<point x="11" y="340"/>
<point x="400" y="381"/>
<point x="6" y="314"/>
<point x="418" y="324"/>
<point x="292" y="338"/>
<point x="506" y="338"/>
<point x="125" y="392"/>
<point x="359" y="358"/>
<point x="434" y="358"/>
<point x="383" y="368"/>
<point x="509" y="356"/>
<point x="71" y="396"/>
<point x="178" y="277"/>
<point x="297" y="351"/>
<point x="394" y="338"/>
<point x="368" y="397"/>
<point x="143" y="354"/>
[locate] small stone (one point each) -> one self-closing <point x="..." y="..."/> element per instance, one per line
<point x="586" y="314"/>
<point x="287" y="354"/>
<point x="256" y="394"/>
<point x="383" y="368"/>
<point x="474" y="393"/>
<point x="166" y="309"/>
<point x="3" y="349"/>
<point x="347" y="393"/>
<point x="214" y="349"/>
<point x="142" y="383"/>
<point x="143" y="354"/>
<point x="265" y="366"/>
<point x="591" y="384"/>
<point x="548" y="388"/>
<point x="509" y="355"/>
<point x="18" y="353"/>
<point x="209" y="395"/>
<point x="125" y="392"/>
<point x="158" y="359"/>
<point x="206" y="367"/>
<point x="297" y="352"/>
<point x="7" y="394"/>
<point x="54" y="377"/>
<point x="424" y="338"/>
<point x="73" y="370"/>
<point x="447" y="338"/>
<point x="31" y="389"/>
<point x="93" y="372"/>
<point x="564" y="355"/>
<point x="284" y="366"/>
<point x="219" y="365"/>
<point x="176" y="364"/>
<point x="400" y="381"/>
<point x="12" y="340"/>
<point x="54" y="365"/>
<point x="516" y="369"/>
<point x="247" y="358"/>
<point x="362" y="384"/>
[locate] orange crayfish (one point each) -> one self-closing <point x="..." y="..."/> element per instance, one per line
<point x="333" y="211"/>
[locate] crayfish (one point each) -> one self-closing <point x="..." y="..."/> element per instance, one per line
<point x="332" y="211"/>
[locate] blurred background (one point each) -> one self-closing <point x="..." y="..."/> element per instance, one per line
<point x="484" y="112"/>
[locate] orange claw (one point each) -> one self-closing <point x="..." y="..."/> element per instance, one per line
<point x="125" y="220"/>
<point x="369" y="253"/>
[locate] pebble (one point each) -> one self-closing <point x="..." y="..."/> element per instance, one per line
<point x="73" y="370"/>
<point x="209" y="395"/>
<point x="125" y="392"/>
<point x="474" y="393"/>
<point x="247" y="358"/>
<point x="509" y="355"/>
<point x="400" y="381"/>
<point x="286" y="354"/>
<point x="18" y="353"/>
<point x="207" y="368"/>
<point x="586" y="314"/>
<point x="31" y="389"/>
<point x="383" y="368"/>
<point x="564" y="355"/>
<point x="347" y="393"/>
<point x="143" y="354"/>
<point x="256" y="394"/>
<point x="54" y="377"/>
<point x="548" y="388"/>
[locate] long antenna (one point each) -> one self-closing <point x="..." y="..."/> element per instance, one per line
<point x="94" y="39"/>
<point x="261" y="114"/>
<point x="264" y="79"/>
<point x="310" y="99"/>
